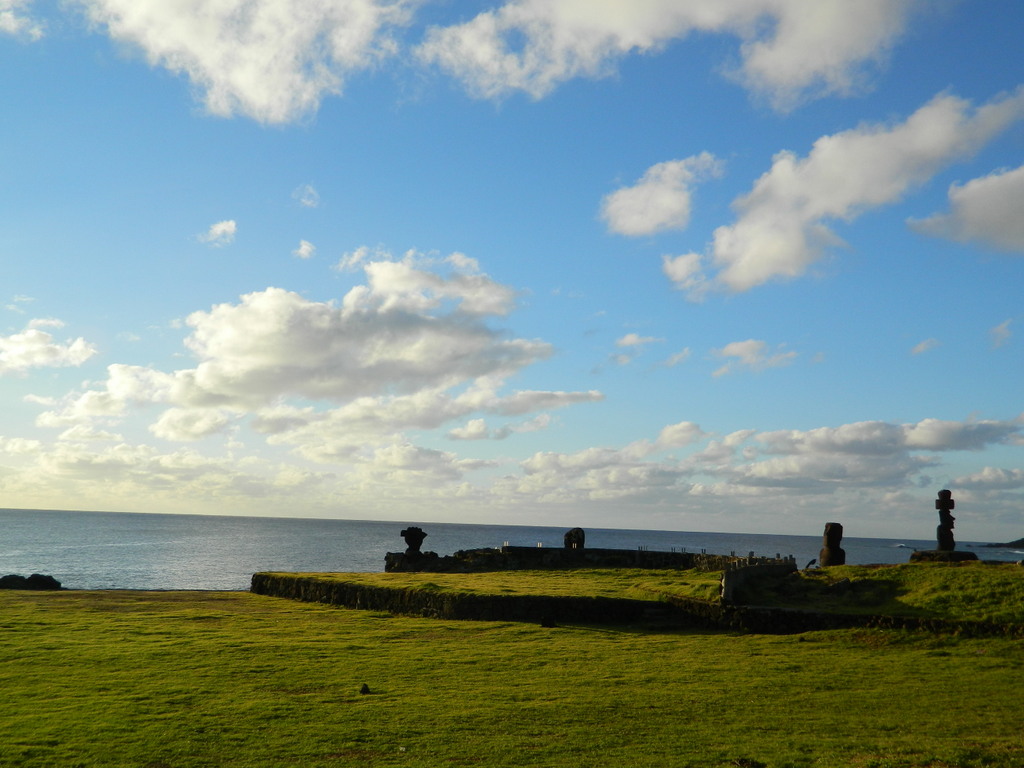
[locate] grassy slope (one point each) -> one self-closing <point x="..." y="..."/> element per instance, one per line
<point x="973" y="591"/>
<point x="232" y="679"/>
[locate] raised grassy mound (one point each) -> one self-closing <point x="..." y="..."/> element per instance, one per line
<point x="972" y="598"/>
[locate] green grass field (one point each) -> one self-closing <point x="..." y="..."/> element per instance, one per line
<point x="179" y="679"/>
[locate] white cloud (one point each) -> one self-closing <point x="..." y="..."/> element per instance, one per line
<point x="338" y="433"/>
<point x="186" y="424"/>
<point x="13" y="20"/>
<point x="360" y="256"/>
<point x="633" y="344"/>
<point x="781" y="229"/>
<point x="609" y="473"/>
<point x="1001" y="333"/>
<point x="752" y="354"/>
<point x="411" y="283"/>
<point x="678" y="435"/>
<point x="20" y="446"/>
<point x="992" y="478"/>
<point x="863" y="454"/>
<point x="412" y="349"/>
<point x="938" y="435"/>
<point x="678" y="358"/>
<point x="687" y="274"/>
<point x="660" y="200"/>
<point x="536" y="424"/>
<point x="305" y="250"/>
<point x="788" y="50"/>
<point x="401" y="465"/>
<point x="83" y="433"/>
<point x="272" y="60"/>
<point x="275" y="342"/>
<point x="884" y="438"/>
<point x="306" y="196"/>
<point x="221" y="233"/>
<point x="924" y="346"/>
<point x="819" y="49"/>
<point x="35" y="348"/>
<point x="635" y="340"/>
<point x="475" y="429"/>
<point x="985" y="210"/>
<point x="17" y="301"/>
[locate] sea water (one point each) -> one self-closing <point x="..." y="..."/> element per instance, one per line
<point x="110" y="550"/>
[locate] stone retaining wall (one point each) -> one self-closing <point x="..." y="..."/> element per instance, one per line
<point x="510" y="558"/>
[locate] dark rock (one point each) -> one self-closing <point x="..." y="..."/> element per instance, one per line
<point x="39" y="581"/>
<point x="36" y="581"/>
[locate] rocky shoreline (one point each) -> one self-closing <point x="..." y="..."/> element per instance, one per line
<point x="1018" y="544"/>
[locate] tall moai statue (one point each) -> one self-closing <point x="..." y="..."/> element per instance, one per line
<point x="831" y="553"/>
<point x="944" y="532"/>
<point x="945" y="552"/>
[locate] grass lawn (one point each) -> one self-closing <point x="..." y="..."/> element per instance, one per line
<point x="180" y="679"/>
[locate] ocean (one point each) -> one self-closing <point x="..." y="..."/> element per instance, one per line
<point x="112" y="550"/>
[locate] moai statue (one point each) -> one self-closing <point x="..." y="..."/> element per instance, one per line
<point x="574" y="538"/>
<point x="831" y="553"/>
<point x="414" y="539"/>
<point x="945" y="505"/>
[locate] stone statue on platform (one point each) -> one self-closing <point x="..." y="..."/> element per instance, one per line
<point x="945" y="552"/>
<point x="831" y="553"/>
<point x="574" y="538"/>
<point x="414" y="540"/>
<point x="945" y="505"/>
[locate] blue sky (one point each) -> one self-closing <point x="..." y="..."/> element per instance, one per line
<point x="740" y="266"/>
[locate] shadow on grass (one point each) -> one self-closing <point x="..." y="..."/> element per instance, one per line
<point x="820" y="591"/>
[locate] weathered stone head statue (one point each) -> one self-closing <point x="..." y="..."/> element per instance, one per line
<point x="831" y="553"/>
<point x="574" y="538"/>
